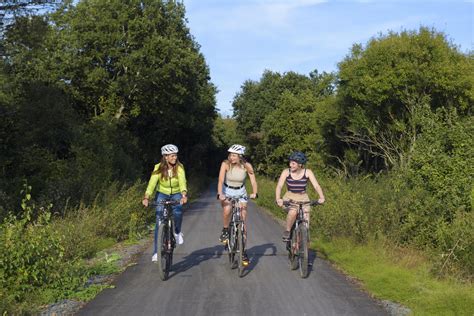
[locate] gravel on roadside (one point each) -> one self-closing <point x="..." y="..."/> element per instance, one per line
<point x="128" y="256"/>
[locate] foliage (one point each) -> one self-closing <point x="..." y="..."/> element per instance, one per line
<point x="32" y="256"/>
<point x="296" y="124"/>
<point x="275" y="113"/>
<point x="362" y="209"/>
<point x="443" y="158"/>
<point x="382" y="85"/>
<point x="92" y="92"/>
<point x="41" y="259"/>
<point x="135" y="62"/>
<point x="13" y="10"/>
<point x="226" y="133"/>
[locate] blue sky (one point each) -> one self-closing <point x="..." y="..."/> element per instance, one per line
<point x="240" y="39"/>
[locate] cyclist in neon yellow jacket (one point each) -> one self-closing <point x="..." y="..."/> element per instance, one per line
<point x="168" y="180"/>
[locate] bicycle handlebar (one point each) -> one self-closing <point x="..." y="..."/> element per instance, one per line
<point x="236" y="197"/>
<point x="164" y="202"/>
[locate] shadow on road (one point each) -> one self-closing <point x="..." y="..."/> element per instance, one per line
<point x="195" y="258"/>
<point x="257" y="252"/>
<point x="311" y="258"/>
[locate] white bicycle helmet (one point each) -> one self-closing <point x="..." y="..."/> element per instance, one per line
<point x="237" y="149"/>
<point x="169" y="149"/>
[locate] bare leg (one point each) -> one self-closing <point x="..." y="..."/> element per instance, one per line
<point x="226" y="213"/>
<point x="243" y="210"/>
<point x="290" y="218"/>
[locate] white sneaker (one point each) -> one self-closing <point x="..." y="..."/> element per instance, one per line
<point x="155" y="257"/>
<point x="179" y="238"/>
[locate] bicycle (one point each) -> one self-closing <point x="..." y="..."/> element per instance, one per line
<point x="297" y="245"/>
<point x="236" y="242"/>
<point x="166" y="241"/>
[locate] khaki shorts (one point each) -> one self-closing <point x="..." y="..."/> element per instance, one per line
<point x="297" y="197"/>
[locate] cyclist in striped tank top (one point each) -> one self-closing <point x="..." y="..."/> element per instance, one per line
<point x="296" y="178"/>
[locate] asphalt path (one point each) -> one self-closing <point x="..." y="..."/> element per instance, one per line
<point x="203" y="283"/>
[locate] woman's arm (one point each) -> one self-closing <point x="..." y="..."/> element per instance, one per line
<point x="183" y="188"/>
<point x="253" y="180"/>
<point x="281" y="181"/>
<point x="316" y="185"/>
<point x="220" y="181"/>
<point x="150" y="189"/>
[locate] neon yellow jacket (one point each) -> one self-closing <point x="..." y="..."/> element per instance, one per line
<point x="168" y="186"/>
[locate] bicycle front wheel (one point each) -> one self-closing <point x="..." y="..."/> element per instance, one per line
<point x="293" y="250"/>
<point x="231" y="246"/>
<point x="164" y="248"/>
<point x="303" y="250"/>
<point x="240" y="250"/>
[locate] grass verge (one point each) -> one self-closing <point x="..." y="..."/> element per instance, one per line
<point x="399" y="275"/>
<point x="387" y="272"/>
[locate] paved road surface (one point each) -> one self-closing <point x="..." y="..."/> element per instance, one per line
<point x="202" y="282"/>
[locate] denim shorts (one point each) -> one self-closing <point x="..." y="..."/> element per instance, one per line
<point x="228" y="192"/>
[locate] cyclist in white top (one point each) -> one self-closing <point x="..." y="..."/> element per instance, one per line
<point x="231" y="183"/>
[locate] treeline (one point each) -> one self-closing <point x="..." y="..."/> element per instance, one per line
<point x="391" y="133"/>
<point x="88" y="95"/>
<point x="90" y="92"/>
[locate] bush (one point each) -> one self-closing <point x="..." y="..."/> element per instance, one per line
<point x="32" y="256"/>
<point x="122" y="215"/>
<point x="456" y="246"/>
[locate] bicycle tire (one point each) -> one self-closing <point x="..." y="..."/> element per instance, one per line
<point x="163" y="254"/>
<point x="231" y="246"/>
<point x="293" y="251"/>
<point x="240" y="250"/>
<point x="303" y="251"/>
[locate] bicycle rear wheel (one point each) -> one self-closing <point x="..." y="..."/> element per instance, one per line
<point x="163" y="245"/>
<point x="293" y="250"/>
<point x="303" y="250"/>
<point x="240" y="250"/>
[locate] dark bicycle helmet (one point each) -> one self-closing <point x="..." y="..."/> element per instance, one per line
<point x="299" y="157"/>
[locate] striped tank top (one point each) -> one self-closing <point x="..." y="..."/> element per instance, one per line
<point x="296" y="186"/>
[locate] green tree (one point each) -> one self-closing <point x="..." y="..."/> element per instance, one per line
<point x="443" y="159"/>
<point x="137" y="62"/>
<point x="382" y="85"/>
<point x="257" y="99"/>
<point x="11" y="10"/>
<point x="262" y="121"/>
<point x="92" y="92"/>
<point x="225" y="133"/>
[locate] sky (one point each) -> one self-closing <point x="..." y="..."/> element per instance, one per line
<point x="240" y="39"/>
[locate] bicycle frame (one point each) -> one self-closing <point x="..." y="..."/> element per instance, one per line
<point x="167" y="220"/>
<point x="235" y="244"/>
<point x="235" y="221"/>
<point x="166" y="241"/>
<point x="297" y="245"/>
